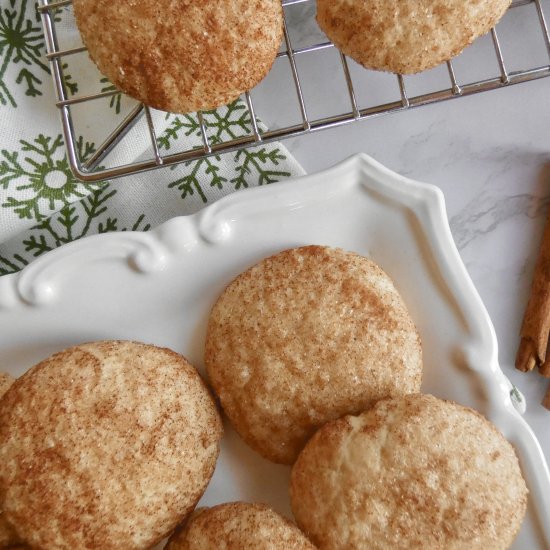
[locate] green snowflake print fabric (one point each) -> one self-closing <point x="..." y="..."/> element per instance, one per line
<point x="43" y="205"/>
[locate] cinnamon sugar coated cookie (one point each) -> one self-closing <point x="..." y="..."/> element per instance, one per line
<point x="304" y="337"/>
<point x="406" y="36"/>
<point x="8" y="537"/>
<point x="5" y="382"/>
<point x="412" y="472"/>
<point x="182" y="55"/>
<point x="105" y="445"/>
<point x="238" y="526"/>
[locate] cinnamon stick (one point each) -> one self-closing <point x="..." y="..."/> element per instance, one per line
<point x="536" y="321"/>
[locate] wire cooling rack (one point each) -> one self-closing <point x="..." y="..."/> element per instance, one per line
<point x="96" y="167"/>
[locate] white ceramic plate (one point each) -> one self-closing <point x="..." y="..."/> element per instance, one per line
<point x="158" y="287"/>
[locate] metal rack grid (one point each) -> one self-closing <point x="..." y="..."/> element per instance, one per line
<point x="91" y="169"/>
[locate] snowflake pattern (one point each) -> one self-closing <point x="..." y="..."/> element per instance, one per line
<point x="21" y="42"/>
<point x="222" y="124"/>
<point x="252" y="165"/>
<point x="72" y="222"/>
<point x="256" y="164"/>
<point x="190" y="184"/>
<point x="41" y="187"/>
<point x="37" y="188"/>
<point x="42" y="181"/>
<point x="116" y="99"/>
<point x="71" y="87"/>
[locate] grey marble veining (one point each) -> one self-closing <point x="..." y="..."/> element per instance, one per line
<point x="484" y="213"/>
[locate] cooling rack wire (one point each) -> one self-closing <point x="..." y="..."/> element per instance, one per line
<point x="92" y="169"/>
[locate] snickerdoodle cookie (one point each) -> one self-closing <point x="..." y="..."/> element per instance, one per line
<point x="406" y="36"/>
<point x="412" y="472"/>
<point x="8" y="536"/>
<point x="5" y="382"/>
<point x="181" y="56"/>
<point x="304" y="337"/>
<point x="105" y="445"/>
<point x="238" y="526"/>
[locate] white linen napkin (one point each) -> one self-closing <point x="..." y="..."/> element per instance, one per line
<point x="42" y="204"/>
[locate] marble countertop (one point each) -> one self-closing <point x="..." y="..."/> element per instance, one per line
<point x="490" y="155"/>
